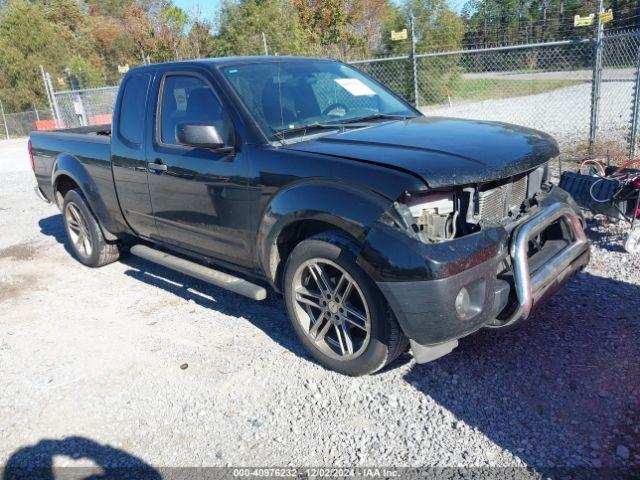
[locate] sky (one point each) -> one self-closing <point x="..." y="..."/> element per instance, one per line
<point x="207" y="7"/>
<point x="210" y="7"/>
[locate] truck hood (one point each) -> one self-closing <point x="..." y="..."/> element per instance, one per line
<point x="441" y="151"/>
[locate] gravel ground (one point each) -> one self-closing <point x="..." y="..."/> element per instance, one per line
<point x="565" y="112"/>
<point x="90" y="362"/>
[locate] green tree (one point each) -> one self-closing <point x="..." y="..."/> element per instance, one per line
<point x="109" y="8"/>
<point x="84" y="57"/>
<point x="241" y="24"/>
<point x="199" y="39"/>
<point x="342" y="29"/>
<point x="27" y="40"/>
<point x="436" y="28"/>
<point x="397" y="19"/>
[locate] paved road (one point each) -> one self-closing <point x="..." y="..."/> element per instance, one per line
<point x="564" y="113"/>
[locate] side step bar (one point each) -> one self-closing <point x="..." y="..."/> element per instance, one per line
<point x="206" y="274"/>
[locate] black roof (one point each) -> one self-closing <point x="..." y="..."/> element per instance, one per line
<point x="221" y="61"/>
<point x="258" y="59"/>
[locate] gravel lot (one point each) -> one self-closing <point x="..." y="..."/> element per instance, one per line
<point x="90" y="366"/>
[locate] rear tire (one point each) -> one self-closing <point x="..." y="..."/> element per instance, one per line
<point x="86" y="240"/>
<point x="343" y="321"/>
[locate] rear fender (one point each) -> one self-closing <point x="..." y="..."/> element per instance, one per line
<point x="349" y="208"/>
<point x="70" y="166"/>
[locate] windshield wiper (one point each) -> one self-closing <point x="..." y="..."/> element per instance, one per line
<point x="304" y="129"/>
<point x="314" y="126"/>
<point x="348" y="123"/>
<point x="378" y="116"/>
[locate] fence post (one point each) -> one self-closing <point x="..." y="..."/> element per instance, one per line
<point x="415" y="62"/>
<point x="56" y="108"/>
<point x="264" y="44"/>
<point x="635" y="110"/>
<point x="596" y="81"/>
<point x="35" y="109"/>
<point x="51" y="97"/>
<point x="46" y="90"/>
<point x="4" y="120"/>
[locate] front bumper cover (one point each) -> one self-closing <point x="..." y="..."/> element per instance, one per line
<point x="425" y="304"/>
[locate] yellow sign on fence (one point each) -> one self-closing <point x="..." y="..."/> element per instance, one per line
<point x="579" y="21"/>
<point x="606" y="16"/>
<point x="401" y="35"/>
<point x="123" y="68"/>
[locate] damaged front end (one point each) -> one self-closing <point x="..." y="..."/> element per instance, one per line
<point x="452" y="262"/>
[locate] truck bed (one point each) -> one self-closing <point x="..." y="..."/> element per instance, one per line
<point x="91" y="146"/>
<point x="101" y="130"/>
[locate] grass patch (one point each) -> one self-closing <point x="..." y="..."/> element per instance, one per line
<point x="477" y="89"/>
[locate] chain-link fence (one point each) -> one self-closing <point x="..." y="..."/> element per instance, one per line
<point x="614" y="110"/>
<point x="537" y="86"/>
<point x="77" y="108"/>
<point x="19" y="124"/>
<point x="547" y="86"/>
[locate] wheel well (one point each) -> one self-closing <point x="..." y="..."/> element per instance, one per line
<point x="292" y="235"/>
<point x="63" y="184"/>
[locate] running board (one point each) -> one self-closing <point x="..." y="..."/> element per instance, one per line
<point x="206" y="274"/>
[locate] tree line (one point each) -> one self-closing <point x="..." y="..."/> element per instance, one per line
<point x="88" y="40"/>
<point x="504" y="22"/>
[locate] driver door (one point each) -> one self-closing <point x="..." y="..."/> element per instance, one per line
<point x="199" y="195"/>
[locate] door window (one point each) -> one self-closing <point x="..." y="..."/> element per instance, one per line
<point x="187" y="99"/>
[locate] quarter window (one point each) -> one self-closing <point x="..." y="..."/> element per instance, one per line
<point x="133" y="108"/>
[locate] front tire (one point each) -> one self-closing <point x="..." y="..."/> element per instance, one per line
<point x="336" y="310"/>
<point x="87" y="242"/>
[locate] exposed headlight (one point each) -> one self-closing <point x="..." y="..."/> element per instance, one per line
<point x="429" y="217"/>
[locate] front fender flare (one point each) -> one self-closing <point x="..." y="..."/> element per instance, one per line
<point x="352" y="209"/>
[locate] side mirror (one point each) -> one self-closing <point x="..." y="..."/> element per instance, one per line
<point x="199" y="135"/>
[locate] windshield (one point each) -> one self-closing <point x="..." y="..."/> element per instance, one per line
<point x="286" y="96"/>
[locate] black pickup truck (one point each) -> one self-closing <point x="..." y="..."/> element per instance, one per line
<point x="380" y="227"/>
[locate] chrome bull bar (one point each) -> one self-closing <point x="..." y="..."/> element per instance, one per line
<point x="527" y="285"/>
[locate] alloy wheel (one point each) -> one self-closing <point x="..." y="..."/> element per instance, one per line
<point x="78" y="230"/>
<point x="331" y="309"/>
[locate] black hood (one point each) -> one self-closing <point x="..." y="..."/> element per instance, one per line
<point x="442" y="151"/>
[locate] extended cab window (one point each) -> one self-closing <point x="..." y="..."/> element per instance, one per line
<point x="188" y="99"/>
<point x="132" y="111"/>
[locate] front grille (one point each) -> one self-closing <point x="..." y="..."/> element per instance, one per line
<point x="518" y="193"/>
<point x="495" y="204"/>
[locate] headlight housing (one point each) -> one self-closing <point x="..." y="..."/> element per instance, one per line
<point x="428" y="217"/>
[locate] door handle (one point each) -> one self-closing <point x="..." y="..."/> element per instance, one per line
<point x="157" y="166"/>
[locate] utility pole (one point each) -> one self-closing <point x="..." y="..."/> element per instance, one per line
<point x="597" y="79"/>
<point x="264" y="44"/>
<point x="415" y="61"/>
